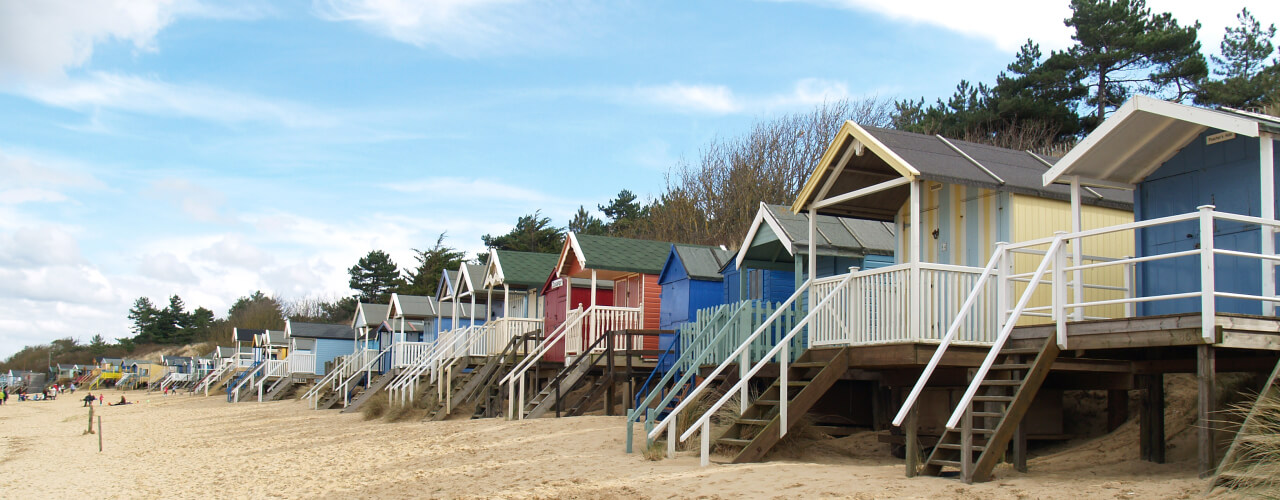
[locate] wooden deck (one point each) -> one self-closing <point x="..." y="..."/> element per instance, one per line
<point x="1236" y="331"/>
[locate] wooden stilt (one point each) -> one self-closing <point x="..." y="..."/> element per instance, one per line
<point x="913" y="442"/>
<point x="1019" y="454"/>
<point x="1204" y="409"/>
<point x="1151" y="418"/>
<point x="1117" y="408"/>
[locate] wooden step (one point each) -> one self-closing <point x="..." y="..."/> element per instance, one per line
<point x="986" y="414"/>
<point x="945" y="463"/>
<point x="993" y="399"/>
<point x="808" y="364"/>
<point x="1007" y="383"/>
<point x="1009" y="351"/>
<point x="754" y="421"/>
<point x="765" y="402"/>
<point x="951" y="446"/>
<point x="741" y="443"/>
<point x="1011" y="366"/>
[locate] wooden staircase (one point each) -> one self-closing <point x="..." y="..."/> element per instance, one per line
<point x="757" y="430"/>
<point x="463" y="380"/>
<point x="489" y="396"/>
<point x="374" y="387"/>
<point x="993" y="416"/>
<point x="1235" y="469"/>
<point x="277" y="389"/>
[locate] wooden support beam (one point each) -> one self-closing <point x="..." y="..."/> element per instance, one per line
<point x="1204" y="410"/>
<point x="912" y="428"/>
<point x="1117" y="408"/>
<point x="1019" y="454"/>
<point x="1151" y="419"/>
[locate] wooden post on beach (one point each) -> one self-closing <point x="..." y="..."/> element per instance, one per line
<point x="90" y="419"/>
<point x="99" y="433"/>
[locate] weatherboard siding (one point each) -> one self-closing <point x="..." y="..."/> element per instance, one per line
<point x="328" y="349"/>
<point x="1226" y="175"/>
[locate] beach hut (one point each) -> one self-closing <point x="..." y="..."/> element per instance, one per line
<point x="1204" y="185"/>
<point x="950" y="202"/>
<point x="67" y="372"/>
<point x="368" y="317"/>
<point x="323" y="342"/>
<point x="245" y="341"/>
<point x="411" y="329"/>
<point x="690" y="281"/>
<point x="630" y="265"/>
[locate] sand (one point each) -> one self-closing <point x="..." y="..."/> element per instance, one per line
<point x="198" y="447"/>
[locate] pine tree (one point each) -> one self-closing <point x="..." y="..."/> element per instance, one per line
<point x="1122" y="48"/>
<point x="1249" y="75"/>
<point x="144" y="315"/>
<point x="375" y="276"/>
<point x="585" y="223"/>
<point x="533" y="233"/>
<point x="424" y="279"/>
<point x="624" y="212"/>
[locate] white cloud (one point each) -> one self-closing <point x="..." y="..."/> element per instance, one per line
<point x="150" y="96"/>
<point x="465" y="188"/>
<point x="200" y="203"/>
<point x="35" y="246"/>
<point x="32" y="171"/>
<point x="1009" y="23"/>
<point x="43" y="39"/>
<point x="233" y="251"/>
<point x="720" y="99"/>
<point x="717" y="99"/>
<point x="460" y="27"/>
<point x="28" y="195"/>
<point x="166" y="267"/>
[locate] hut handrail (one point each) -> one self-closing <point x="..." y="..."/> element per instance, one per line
<point x="781" y="351"/>
<point x="573" y="319"/>
<point x="742" y="349"/>
<point x="642" y="407"/>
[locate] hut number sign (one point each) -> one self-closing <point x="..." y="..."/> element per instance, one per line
<point x="1219" y="137"/>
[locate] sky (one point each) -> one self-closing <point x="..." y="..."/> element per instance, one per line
<point x="211" y="149"/>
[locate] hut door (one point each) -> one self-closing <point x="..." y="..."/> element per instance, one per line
<point x="1172" y="195"/>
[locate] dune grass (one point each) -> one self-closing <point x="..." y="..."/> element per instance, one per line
<point x="1254" y="471"/>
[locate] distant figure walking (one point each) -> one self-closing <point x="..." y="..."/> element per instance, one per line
<point x="101" y="397"/>
<point x="88" y="400"/>
<point x="3" y="395"/>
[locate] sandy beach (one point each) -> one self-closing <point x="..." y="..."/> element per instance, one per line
<point x="197" y="447"/>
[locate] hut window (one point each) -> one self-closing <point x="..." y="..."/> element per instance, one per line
<point x="757" y="284"/>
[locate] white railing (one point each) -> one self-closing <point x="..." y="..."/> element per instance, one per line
<point x="329" y="381"/>
<point x="302" y="362"/>
<point x="371" y="360"/>
<point x="405" y="353"/>
<point x="248" y="378"/>
<point x="214" y="376"/>
<point x="515" y="379"/>
<point x="598" y="321"/>
<point x="495" y="335"/>
<point x="780" y="352"/>
<point x="874" y="307"/>
<point x="243" y="362"/>
<point x="415" y="368"/>
<point x="1068" y="299"/>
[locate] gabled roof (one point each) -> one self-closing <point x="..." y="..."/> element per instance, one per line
<point x="836" y="235"/>
<point x="371" y="314"/>
<point x="277" y="337"/>
<point x="472" y="279"/>
<point x="64" y="366"/>
<point x="245" y="334"/>
<point x="319" y="331"/>
<point x="226" y="352"/>
<point x="393" y="325"/>
<point x="445" y="289"/>
<point x="526" y="269"/>
<point x="862" y="156"/>
<point x="609" y="253"/>
<point x="1143" y="134"/>
<point x="176" y="360"/>
<point x="697" y="261"/>
<point x="411" y="306"/>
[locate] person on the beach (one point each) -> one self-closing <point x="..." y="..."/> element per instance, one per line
<point x="3" y="395"/>
<point x="101" y="397"/>
<point x="88" y="400"/>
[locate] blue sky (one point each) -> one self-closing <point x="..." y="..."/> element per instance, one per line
<point x="210" y="149"/>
